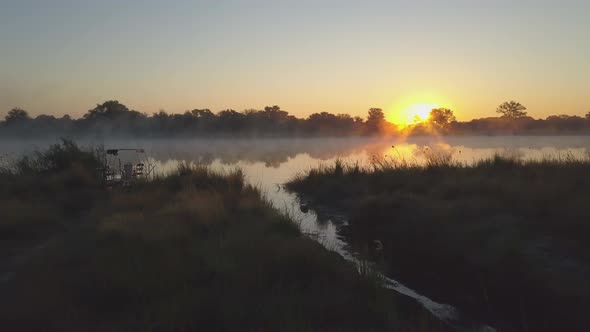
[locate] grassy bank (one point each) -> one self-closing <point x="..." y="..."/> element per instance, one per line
<point x="45" y="193"/>
<point x="196" y="250"/>
<point x="503" y="239"/>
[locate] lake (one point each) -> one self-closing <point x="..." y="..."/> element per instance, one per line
<point x="268" y="163"/>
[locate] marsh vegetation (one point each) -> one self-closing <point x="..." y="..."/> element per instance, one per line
<point x="195" y="250"/>
<point x="502" y="238"/>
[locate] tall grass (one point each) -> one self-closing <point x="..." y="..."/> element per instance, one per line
<point x="57" y="158"/>
<point x="197" y="250"/>
<point x="492" y="235"/>
<point x="44" y="191"/>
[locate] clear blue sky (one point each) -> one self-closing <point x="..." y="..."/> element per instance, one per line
<point x="64" y="56"/>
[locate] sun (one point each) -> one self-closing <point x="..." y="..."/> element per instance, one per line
<point x="413" y="113"/>
<point x="420" y="112"/>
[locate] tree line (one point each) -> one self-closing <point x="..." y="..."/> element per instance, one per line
<point x="512" y="120"/>
<point x="113" y="118"/>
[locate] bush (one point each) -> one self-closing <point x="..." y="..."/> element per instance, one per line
<point x="47" y="190"/>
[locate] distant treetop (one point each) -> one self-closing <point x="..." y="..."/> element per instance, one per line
<point x="441" y="117"/>
<point x="511" y="109"/>
<point x="16" y="115"/>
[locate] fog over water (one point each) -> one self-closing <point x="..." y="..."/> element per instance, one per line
<point x="285" y="152"/>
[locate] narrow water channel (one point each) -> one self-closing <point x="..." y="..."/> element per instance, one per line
<point x="326" y="233"/>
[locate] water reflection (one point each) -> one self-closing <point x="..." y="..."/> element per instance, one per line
<point x="268" y="164"/>
<point x="276" y="153"/>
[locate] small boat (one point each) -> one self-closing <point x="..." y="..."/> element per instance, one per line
<point x="127" y="170"/>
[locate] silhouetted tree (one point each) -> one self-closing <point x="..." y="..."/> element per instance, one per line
<point x="441" y="117"/>
<point x="345" y="123"/>
<point x="563" y="122"/>
<point x="324" y="122"/>
<point x="113" y="118"/>
<point x="230" y="120"/>
<point x="45" y="122"/>
<point x="588" y="116"/>
<point x="17" y="115"/>
<point x="203" y="113"/>
<point x="274" y="108"/>
<point x="109" y="109"/>
<point x="512" y="110"/>
<point x="274" y="114"/>
<point x="376" y="115"/>
<point x="376" y="119"/>
<point x="562" y="117"/>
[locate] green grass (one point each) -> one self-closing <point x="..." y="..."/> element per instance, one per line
<point x="503" y="238"/>
<point x="196" y="250"/>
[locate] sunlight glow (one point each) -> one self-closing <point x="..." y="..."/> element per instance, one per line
<point x="412" y="114"/>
